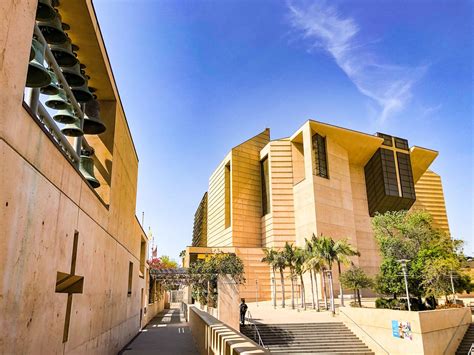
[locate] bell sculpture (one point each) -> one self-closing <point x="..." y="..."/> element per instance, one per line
<point x="92" y="122"/>
<point x="82" y="93"/>
<point x="53" y="87"/>
<point x="52" y="30"/>
<point x="58" y="101"/>
<point x="86" y="167"/>
<point x="73" y="129"/>
<point x="63" y="53"/>
<point x="37" y="75"/>
<point x="67" y="116"/>
<point x="74" y="75"/>
<point x="45" y="10"/>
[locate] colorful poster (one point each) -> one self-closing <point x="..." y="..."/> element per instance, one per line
<point x="402" y="330"/>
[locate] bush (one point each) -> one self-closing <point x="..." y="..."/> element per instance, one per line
<point x="400" y="303"/>
<point x="449" y="305"/>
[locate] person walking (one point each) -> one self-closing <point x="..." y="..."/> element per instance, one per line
<point x="243" y="310"/>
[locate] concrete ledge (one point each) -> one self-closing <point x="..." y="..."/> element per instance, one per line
<point x="214" y="337"/>
<point x="432" y="332"/>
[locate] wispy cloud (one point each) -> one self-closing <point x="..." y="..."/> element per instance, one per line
<point x="390" y="86"/>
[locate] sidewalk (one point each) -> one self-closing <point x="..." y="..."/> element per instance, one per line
<point x="167" y="333"/>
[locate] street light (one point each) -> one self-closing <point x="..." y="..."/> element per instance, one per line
<point x="331" y="292"/>
<point x="403" y="262"/>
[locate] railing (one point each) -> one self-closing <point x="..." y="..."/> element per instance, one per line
<point x="471" y="350"/>
<point x="73" y="153"/>
<point x="257" y="333"/>
<point x="357" y="325"/>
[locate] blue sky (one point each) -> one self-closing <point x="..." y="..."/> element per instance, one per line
<point x="199" y="77"/>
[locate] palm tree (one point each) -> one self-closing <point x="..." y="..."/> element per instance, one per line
<point x="300" y="258"/>
<point x="290" y="257"/>
<point x="280" y="263"/>
<point x="270" y="259"/>
<point x="325" y="248"/>
<point x="318" y="253"/>
<point x="313" y="263"/>
<point x="343" y="250"/>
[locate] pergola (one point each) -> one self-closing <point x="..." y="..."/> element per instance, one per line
<point x="170" y="277"/>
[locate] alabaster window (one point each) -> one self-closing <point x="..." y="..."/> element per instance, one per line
<point x="265" y="181"/>
<point x="228" y="197"/>
<point x="130" y="278"/>
<point x="320" y="156"/>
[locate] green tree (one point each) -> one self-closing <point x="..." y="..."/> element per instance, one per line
<point x="356" y="279"/>
<point x="168" y="263"/>
<point x="203" y="275"/>
<point x="432" y="254"/>
<point x="270" y="258"/>
<point x="325" y="248"/>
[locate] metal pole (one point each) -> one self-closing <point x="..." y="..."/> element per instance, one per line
<point x="256" y="290"/>
<point x="452" y="286"/>
<point x="331" y="291"/>
<point x="404" y="268"/>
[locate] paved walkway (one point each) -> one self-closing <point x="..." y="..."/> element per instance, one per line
<point x="167" y="333"/>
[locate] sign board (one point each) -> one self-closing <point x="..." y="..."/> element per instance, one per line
<point x="402" y="330"/>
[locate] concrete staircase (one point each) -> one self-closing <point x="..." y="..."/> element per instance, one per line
<point x="467" y="341"/>
<point x="303" y="338"/>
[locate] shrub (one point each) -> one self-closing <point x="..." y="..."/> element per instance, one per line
<point x="449" y="305"/>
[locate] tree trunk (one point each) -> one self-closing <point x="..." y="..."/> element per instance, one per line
<point x="331" y="289"/>
<point x="358" y="298"/>
<point x="341" y="291"/>
<point x="323" y="284"/>
<point x="316" y="289"/>
<point x="303" y="298"/>
<point x="312" y="287"/>
<point x="274" y="289"/>
<point x="282" y="288"/>
<point x="292" y="290"/>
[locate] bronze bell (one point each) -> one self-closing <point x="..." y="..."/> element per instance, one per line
<point x="53" y="87"/>
<point x="58" y="101"/>
<point x="37" y="75"/>
<point x="67" y="116"/>
<point x="52" y="30"/>
<point x="73" y="129"/>
<point x="63" y="53"/>
<point x="92" y="122"/>
<point x="74" y="75"/>
<point x="82" y="93"/>
<point x="86" y="167"/>
<point x="45" y="10"/>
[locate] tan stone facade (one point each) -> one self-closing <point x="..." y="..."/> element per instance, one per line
<point x="309" y="195"/>
<point x="50" y="215"/>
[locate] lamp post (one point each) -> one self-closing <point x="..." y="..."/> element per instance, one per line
<point x="403" y="262"/>
<point x="331" y="291"/>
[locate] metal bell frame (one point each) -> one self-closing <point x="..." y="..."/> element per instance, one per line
<point x="68" y="99"/>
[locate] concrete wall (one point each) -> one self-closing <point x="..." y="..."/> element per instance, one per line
<point x="246" y="192"/>
<point x="44" y="200"/>
<point x="228" y="301"/>
<point x="433" y="332"/>
<point x="214" y="337"/>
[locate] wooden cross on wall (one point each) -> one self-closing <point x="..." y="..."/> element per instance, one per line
<point x="70" y="284"/>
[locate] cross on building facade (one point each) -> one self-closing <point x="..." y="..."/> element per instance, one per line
<point x="69" y="283"/>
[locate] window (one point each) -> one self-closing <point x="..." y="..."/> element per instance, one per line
<point x="228" y="197"/>
<point x="387" y="140"/>
<point x="320" y="156"/>
<point x="130" y="278"/>
<point x="142" y="256"/>
<point x="401" y="143"/>
<point x="265" y="186"/>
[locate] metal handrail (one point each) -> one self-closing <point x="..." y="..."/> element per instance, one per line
<point x="353" y="321"/>
<point x="257" y="333"/>
<point x="471" y="350"/>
